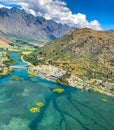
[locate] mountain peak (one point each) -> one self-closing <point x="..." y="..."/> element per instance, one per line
<point x="16" y="24"/>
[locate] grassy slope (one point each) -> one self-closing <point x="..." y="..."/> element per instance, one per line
<point x="3" y="43"/>
<point x="84" y="52"/>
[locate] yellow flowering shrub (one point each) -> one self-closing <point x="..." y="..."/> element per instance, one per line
<point x="34" y="110"/>
<point x="40" y="104"/>
<point x="58" y="90"/>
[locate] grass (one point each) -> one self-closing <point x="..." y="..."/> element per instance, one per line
<point x="26" y="52"/>
<point x="9" y="60"/>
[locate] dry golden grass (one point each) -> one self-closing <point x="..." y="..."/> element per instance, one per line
<point x="3" y="43"/>
<point x="26" y="52"/>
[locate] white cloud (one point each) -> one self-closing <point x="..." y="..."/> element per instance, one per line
<point x="56" y="10"/>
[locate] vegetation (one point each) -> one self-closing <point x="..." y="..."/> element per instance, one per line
<point x="84" y="52"/>
<point x="58" y="90"/>
<point x="9" y="60"/>
<point x="16" y="78"/>
<point x="40" y="104"/>
<point x="5" y="71"/>
<point x="34" y="110"/>
<point x="31" y="58"/>
<point x="31" y="75"/>
<point x="112" y="62"/>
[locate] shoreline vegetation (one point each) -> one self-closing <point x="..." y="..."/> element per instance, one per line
<point x="55" y="74"/>
<point x="4" y="71"/>
<point x="83" y="58"/>
<point x="5" y="62"/>
<point x="58" y="75"/>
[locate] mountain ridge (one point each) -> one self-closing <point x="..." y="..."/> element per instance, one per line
<point x="84" y="52"/>
<point x="16" y="24"/>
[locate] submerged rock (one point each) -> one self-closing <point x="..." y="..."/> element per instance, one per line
<point x="104" y="100"/>
<point x="16" y="78"/>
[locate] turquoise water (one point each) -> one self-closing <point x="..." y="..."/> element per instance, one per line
<point x="70" y="110"/>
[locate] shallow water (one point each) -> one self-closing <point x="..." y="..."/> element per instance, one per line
<point x="70" y="110"/>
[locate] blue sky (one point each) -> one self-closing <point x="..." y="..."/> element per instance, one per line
<point x="102" y="10"/>
<point x="10" y="5"/>
<point x="98" y="14"/>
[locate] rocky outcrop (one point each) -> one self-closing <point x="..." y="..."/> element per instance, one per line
<point x="47" y="71"/>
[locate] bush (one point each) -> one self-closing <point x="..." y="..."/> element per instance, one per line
<point x="10" y="61"/>
<point x="58" y="90"/>
<point x="34" y="110"/>
<point x="31" y="58"/>
<point x="31" y="75"/>
<point x="15" y="78"/>
<point x="40" y="104"/>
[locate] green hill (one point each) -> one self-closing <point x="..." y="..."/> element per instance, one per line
<point x="84" y="52"/>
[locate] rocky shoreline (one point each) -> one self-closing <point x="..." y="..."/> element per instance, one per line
<point x="55" y="74"/>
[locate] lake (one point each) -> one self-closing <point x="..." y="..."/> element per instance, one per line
<point x="73" y="109"/>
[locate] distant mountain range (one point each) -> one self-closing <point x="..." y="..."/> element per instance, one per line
<point x="84" y="52"/>
<point x="19" y="27"/>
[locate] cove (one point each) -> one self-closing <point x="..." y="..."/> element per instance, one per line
<point x="71" y="110"/>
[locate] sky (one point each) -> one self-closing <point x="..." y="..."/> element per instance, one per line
<point x="102" y="10"/>
<point x="97" y="14"/>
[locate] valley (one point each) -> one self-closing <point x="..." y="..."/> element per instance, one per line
<point x="85" y="55"/>
<point x="26" y="29"/>
<point x="67" y="61"/>
<point x="49" y="97"/>
<point x="6" y="60"/>
<point x="54" y="76"/>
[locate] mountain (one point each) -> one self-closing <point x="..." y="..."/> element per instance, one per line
<point x="19" y="27"/>
<point x="83" y="52"/>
